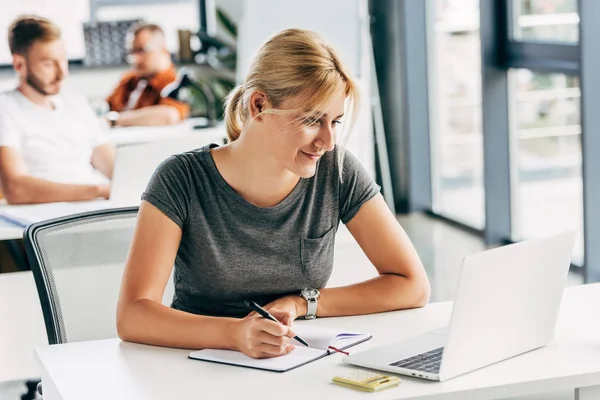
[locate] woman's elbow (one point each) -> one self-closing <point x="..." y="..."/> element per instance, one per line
<point x="124" y="332"/>
<point x="422" y="292"/>
<point x="124" y="326"/>
<point x="415" y="293"/>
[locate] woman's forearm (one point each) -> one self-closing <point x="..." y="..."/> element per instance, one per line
<point x="146" y="321"/>
<point x="386" y="292"/>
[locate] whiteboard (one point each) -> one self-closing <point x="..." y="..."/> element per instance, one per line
<point x="339" y="21"/>
<point x="69" y="15"/>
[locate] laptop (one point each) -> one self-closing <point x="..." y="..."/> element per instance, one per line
<point x="135" y="164"/>
<point x="507" y="304"/>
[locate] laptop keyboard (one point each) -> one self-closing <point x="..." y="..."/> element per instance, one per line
<point x="425" y="362"/>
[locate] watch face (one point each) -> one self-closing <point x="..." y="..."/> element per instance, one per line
<point x="112" y="116"/>
<point x="310" y="292"/>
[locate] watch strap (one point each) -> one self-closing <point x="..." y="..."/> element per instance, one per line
<point x="311" y="309"/>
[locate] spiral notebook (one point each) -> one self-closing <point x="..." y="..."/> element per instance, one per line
<point x="319" y="339"/>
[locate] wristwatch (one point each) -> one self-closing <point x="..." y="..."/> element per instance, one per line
<point x="112" y="117"/>
<point x="311" y="296"/>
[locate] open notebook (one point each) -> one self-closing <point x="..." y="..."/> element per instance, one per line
<point x="318" y="338"/>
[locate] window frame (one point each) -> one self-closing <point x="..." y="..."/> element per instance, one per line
<point x="500" y="52"/>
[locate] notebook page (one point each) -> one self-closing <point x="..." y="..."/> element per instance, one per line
<point x="344" y="341"/>
<point x="316" y="337"/>
<point x="322" y="338"/>
<point x="300" y="355"/>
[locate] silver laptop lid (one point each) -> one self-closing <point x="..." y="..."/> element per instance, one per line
<point x="507" y="302"/>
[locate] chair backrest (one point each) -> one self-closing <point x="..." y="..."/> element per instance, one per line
<point x="77" y="262"/>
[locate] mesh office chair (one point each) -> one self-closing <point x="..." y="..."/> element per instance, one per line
<point x="77" y="262"/>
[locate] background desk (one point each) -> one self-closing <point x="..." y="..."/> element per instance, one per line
<point x="138" y="135"/>
<point x="21" y="328"/>
<point x="144" y="134"/>
<point x="9" y="231"/>
<point x="116" y="370"/>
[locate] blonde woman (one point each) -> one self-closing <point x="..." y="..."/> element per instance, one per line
<point x="256" y="219"/>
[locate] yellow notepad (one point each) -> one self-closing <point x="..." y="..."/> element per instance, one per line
<point x="366" y="380"/>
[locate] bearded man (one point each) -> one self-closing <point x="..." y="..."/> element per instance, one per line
<point x="52" y="146"/>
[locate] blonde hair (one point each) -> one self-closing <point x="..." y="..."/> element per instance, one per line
<point x="294" y="62"/>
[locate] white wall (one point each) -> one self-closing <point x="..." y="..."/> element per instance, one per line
<point x="233" y="8"/>
<point x="68" y="14"/>
<point x="339" y="21"/>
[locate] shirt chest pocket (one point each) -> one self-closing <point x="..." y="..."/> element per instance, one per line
<point x="317" y="258"/>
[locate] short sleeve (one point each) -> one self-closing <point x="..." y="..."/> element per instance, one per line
<point x="9" y="134"/>
<point x="356" y="187"/>
<point x="169" y="188"/>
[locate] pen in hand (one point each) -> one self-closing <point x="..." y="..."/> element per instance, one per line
<point x="264" y="313"/>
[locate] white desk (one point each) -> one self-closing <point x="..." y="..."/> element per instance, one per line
<point x="111" y="369"/>
<point x="10" y="231"/>
<point x="39" y="212"/>
<point x="21" y="326"/>
<point x="144" y="134"/>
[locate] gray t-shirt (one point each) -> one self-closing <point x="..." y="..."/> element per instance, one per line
<point x="232" y="250"/>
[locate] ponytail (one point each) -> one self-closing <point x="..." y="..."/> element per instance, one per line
<point x="234" y="113"/>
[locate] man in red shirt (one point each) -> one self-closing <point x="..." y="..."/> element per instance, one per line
<point x="137" y="100"/>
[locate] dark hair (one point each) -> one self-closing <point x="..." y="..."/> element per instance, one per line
<point x="28" y="29"/>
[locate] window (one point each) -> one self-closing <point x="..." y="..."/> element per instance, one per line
<point x="547" y="186"/>
<point x="546" y="152"/>
<point x="546" y="20"/>
<point x="517" y="78"/>
<point x="455" y="110"/>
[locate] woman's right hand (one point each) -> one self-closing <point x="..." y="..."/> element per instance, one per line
<point x="259" y="337"/>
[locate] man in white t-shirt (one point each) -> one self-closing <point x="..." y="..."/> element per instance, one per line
<point x="52" y="147"/>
